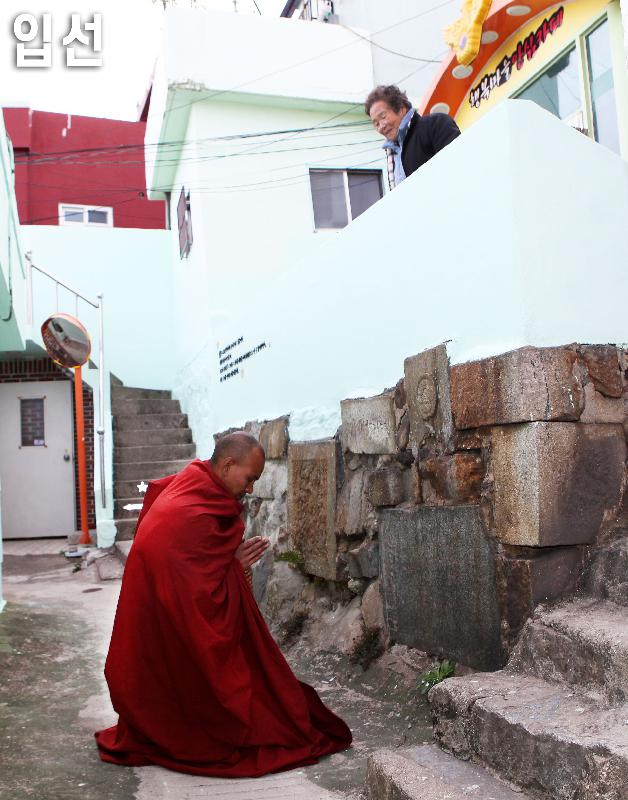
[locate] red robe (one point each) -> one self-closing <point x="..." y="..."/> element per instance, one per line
<point x="196" y="678"/>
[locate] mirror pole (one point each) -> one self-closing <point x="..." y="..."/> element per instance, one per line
<point x="80" y="448"/>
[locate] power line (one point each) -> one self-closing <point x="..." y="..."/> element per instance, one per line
<point x="62" y="154"/>
<point x="234" y="88"/>
<point x="387" y="49"/>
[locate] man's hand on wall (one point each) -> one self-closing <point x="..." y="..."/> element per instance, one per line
<point x="251" y="550"/>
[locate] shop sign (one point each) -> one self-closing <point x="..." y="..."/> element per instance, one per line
<point x="525" y="51"/>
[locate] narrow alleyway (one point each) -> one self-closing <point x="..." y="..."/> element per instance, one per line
<point x="54" y="634"/>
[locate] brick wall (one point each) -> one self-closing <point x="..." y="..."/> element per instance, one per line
<point x="44" y="369"/>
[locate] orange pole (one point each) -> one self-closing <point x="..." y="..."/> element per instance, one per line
<point x="80" y="448"/>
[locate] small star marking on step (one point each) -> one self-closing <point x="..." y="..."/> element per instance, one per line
<point x="142" y="487"/>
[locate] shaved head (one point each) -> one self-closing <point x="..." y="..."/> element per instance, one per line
<point x="236" y="446"/>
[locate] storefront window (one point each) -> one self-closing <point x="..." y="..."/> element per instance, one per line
<point x="558" y="89"/>
<point x="602" y="88"/>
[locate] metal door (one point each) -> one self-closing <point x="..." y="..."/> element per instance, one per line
<point x="36" y="459"/>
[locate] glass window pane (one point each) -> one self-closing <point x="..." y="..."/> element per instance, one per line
<point x="602" y="88"/>
<point x="328" y="196"/>
<point x="72" y="214"/>
<point x="558" y="89"/>
<point x="98" y="216"/>
<point x="365" y="188"/>
<point x="32" y="422"/>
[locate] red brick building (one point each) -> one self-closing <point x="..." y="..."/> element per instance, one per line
<point x="74" y="170"/>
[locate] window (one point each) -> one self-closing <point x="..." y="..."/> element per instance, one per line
<point x="340" y="196"/>
<point x="32" y="422"/>
<point x="184" y="218"/>
<point x="97" y="216"/>
<point x="586" y="66"/>
<point x="558" y="89"/>
<point x="602" y="89"/>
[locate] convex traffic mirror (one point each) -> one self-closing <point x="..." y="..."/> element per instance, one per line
<point x="66" y="340"/>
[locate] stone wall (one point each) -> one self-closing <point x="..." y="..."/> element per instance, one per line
<point x="446" y="508"/>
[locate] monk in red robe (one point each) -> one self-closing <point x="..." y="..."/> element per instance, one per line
<point x="196" y="678"/>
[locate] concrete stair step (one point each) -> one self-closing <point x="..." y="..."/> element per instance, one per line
<point x="129" y="488"/>
<point x="607" y="575"/>
<point x="159" y="436"/>
<point x="145" y="470"/>
<point x="143" y="422"/>
<point x="427" y="773"/>
<point x="145" y="405"/>
<point x="133" y="393"/>
<point x="125" y="529"/>
<point x="119" y="511"/>
<point x="544" y="738"/>
<point x="582" y="643"/>
<point x="155" y="452"/>
<point x="122" y="548"/>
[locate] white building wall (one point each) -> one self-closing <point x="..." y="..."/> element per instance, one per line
<point x="132" y="268"/>
<point x="13" y="326"/>
<point x="412" y="29"/>
<point x="513" y="235"/>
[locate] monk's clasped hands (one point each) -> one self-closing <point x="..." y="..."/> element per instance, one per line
<point x="251" y="550"/>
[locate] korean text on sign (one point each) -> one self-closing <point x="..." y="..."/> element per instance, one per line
<point x="34" y="37"/>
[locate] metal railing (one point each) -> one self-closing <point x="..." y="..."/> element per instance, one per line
<point x="100" y="430"/>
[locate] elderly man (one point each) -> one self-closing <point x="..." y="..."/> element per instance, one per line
<point x="194" y="674"/>
<point x="411" y="140"/>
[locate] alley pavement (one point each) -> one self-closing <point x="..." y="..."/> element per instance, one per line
<point x="54" y="635"/>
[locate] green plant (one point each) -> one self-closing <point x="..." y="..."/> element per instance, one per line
<point x="291" y="557"/>
<point x="438" y="673"/>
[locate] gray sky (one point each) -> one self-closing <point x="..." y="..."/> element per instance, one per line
<point x="130" y="38"/>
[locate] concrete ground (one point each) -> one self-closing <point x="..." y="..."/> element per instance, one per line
<point x="54" y="635"/>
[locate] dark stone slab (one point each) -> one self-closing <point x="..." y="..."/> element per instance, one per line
<point x="438" y="583"/>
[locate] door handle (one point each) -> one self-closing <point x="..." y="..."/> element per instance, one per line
<point x="66" y="456"/>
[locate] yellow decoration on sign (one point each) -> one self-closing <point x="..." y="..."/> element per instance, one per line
<point x="464" y="36"/>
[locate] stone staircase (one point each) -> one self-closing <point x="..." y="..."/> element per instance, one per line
<point x="151" y="439"/>
<point x="552" y="725"/>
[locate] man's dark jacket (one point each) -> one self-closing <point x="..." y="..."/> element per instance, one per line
<point x="424" y="138"/>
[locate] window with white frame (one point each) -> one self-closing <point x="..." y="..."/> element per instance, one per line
<point x="73" y="214"/>
<point x="341" y="195"/>
<point x="578" y="86"/>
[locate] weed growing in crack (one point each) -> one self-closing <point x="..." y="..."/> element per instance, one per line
<point x="438" y="673"/>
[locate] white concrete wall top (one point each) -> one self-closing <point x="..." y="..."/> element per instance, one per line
<point x="513" y="235"/>
<point x="265" y="55"/>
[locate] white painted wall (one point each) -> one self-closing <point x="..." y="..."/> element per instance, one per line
<point x="513" y="235"/>
<point x="13" y="329"/>
<point x="412" y="28"/>
<point x="133" y="269"/>
<point x="244" y="236"/>
<point x="265" y="56"/>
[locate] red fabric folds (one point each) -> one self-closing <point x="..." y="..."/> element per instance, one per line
<point x="195" y="676"/>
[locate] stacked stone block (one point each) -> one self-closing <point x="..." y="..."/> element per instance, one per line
<point x="461" y="498"/>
